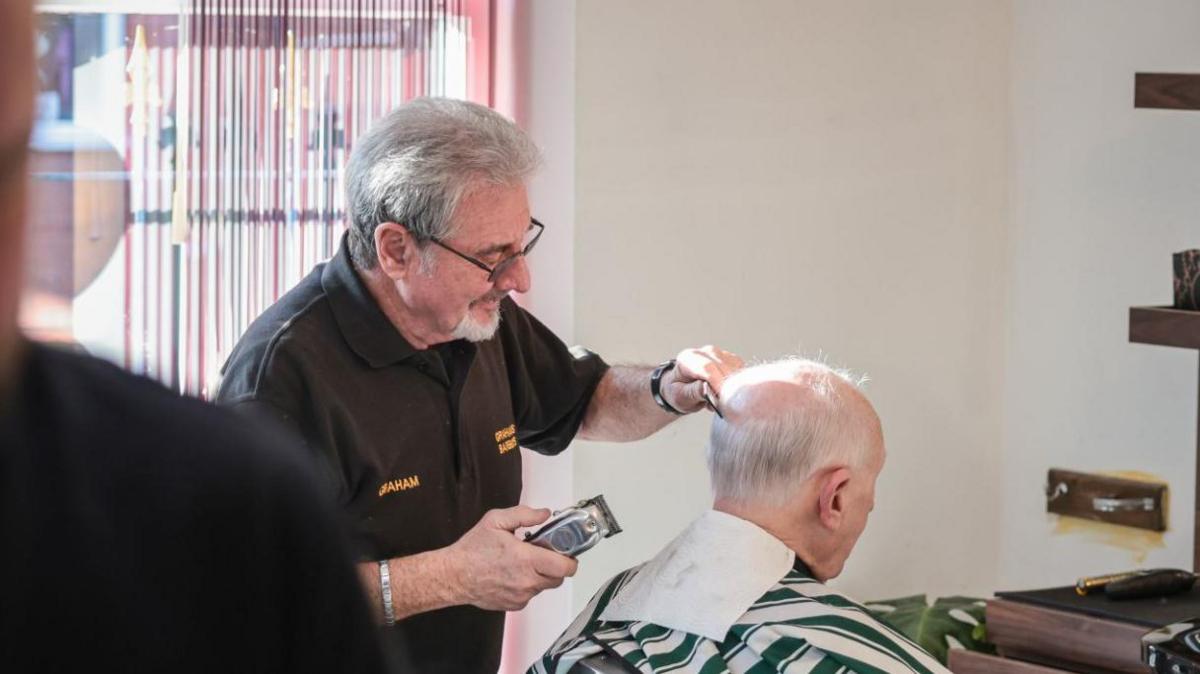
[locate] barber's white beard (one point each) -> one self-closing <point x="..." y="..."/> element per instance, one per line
<point x="475" y="331"/>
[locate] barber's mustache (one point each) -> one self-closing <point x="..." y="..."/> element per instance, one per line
<point x="494" y="296"/>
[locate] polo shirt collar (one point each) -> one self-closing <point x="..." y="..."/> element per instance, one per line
<point x="362" y="323"/>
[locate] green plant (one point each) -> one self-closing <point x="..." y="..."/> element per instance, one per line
<point x="950" y="622"/>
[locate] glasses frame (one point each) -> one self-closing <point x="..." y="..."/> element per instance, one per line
<point x="503" y="265"/>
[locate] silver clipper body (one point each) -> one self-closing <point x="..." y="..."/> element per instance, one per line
<point x="573" y="530"/>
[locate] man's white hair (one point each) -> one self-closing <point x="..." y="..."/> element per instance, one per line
<point x="763" y="450"/>
<point x="416" y="164"/>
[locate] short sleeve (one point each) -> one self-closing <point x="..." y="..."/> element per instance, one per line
<point x="551" y="384"/>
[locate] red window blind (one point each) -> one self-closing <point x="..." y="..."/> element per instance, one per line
<point x="221" y="183"/>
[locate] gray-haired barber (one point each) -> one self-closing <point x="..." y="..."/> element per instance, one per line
<point x="406" y="366"/>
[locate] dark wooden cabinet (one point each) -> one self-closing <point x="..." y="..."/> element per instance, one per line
<point x="970" y="662"/>
<point x="1063" y="639"/>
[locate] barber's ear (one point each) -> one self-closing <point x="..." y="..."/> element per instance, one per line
<point x="832" y="498"/>
<point x="397" y="250"/>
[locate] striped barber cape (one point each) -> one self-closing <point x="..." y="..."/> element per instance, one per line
<point x="797" y="625"/>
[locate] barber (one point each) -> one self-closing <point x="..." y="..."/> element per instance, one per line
<point x="406" y="366"/>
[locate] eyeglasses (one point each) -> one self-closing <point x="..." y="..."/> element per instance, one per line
<point x="531" y="235"/>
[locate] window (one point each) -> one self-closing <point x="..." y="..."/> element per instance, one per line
<point x="187" y="166"/>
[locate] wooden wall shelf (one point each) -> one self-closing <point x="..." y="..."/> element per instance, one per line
<point x="1164" y="326"/>
<point x="1171" y="91"/>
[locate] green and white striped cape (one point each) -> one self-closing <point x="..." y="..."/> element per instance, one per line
<point x="798" y="626"/>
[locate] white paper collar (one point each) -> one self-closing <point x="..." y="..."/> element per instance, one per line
<point x="706" y="578"/>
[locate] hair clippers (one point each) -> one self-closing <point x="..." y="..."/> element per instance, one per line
<point x="573" y="530"/>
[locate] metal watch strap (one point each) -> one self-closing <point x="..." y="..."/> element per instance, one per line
<point x="656" y="387"/>
<point x="385" y="587"/>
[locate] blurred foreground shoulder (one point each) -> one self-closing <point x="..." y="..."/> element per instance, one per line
<point x="162" y="515"/>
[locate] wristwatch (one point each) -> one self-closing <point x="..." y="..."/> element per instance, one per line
<point x="656" y="387"/>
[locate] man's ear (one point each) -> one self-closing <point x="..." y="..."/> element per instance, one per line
<point x="831" y="503"/>
<point x="397" y="250"/>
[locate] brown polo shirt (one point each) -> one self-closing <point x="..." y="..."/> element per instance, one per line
<point x="418" y="443"/>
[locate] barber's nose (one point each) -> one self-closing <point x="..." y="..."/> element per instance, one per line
<point x="516" y="277"/>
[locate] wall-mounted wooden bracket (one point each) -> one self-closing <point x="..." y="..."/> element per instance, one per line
<point x="1101" y="498"/>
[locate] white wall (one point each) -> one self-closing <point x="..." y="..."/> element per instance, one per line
<point x="954" y="197"/>
<point x="780" y="176"/>
<point x="540" y="38"/>
<point x="1102" y="194"/>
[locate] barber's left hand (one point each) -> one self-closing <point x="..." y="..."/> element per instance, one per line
<point x="683" y="386"/>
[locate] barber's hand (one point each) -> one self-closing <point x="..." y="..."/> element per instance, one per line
<point x="496" y="570"/>
<point x="683" y="386"/>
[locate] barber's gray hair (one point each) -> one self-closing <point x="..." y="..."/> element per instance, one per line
<point x="416" y="164"/>
<point x="762" y="456"/>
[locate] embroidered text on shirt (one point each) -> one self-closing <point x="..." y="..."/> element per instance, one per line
<point x="506" y="438"/>
<point x="410" y="482"/>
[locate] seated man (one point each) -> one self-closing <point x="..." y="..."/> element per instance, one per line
<point x="793" y="466"/>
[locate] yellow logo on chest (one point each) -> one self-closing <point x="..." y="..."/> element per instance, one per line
<point x="402" y="484"/>
<point x="506" y="439"/>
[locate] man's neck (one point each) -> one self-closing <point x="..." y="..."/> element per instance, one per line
<point x="774" y="521"/>
<point x="397" y="313"/>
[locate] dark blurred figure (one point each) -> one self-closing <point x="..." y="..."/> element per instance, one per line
<point x="141" y="531"/>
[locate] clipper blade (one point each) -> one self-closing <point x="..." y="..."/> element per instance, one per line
<point x="605" y="515"/>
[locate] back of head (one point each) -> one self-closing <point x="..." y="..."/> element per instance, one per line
<point x="784" y="421"/>
<point x="416" y="164"/>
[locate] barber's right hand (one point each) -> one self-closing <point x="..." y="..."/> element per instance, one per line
<point x="497" y="571"/>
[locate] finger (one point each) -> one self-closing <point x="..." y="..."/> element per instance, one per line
<point x="699" y="364"/>
<point x="710" y="364"/>
<point x="553" y="565"/>
<point x="726" y="363"/>
<point x="731" y="361"/>
<point x="717" y="382"/>
<point x="689" y="396"/>
<point x="511" y="519"/>
<point x="548" y="582"/>
<point x="690" y="365"/>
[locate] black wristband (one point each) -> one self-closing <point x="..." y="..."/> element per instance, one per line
<point x="656" y="387"/>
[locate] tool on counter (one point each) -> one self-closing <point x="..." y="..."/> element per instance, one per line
<point x="1138" y="584"/>
<point x="573" y="530"/>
